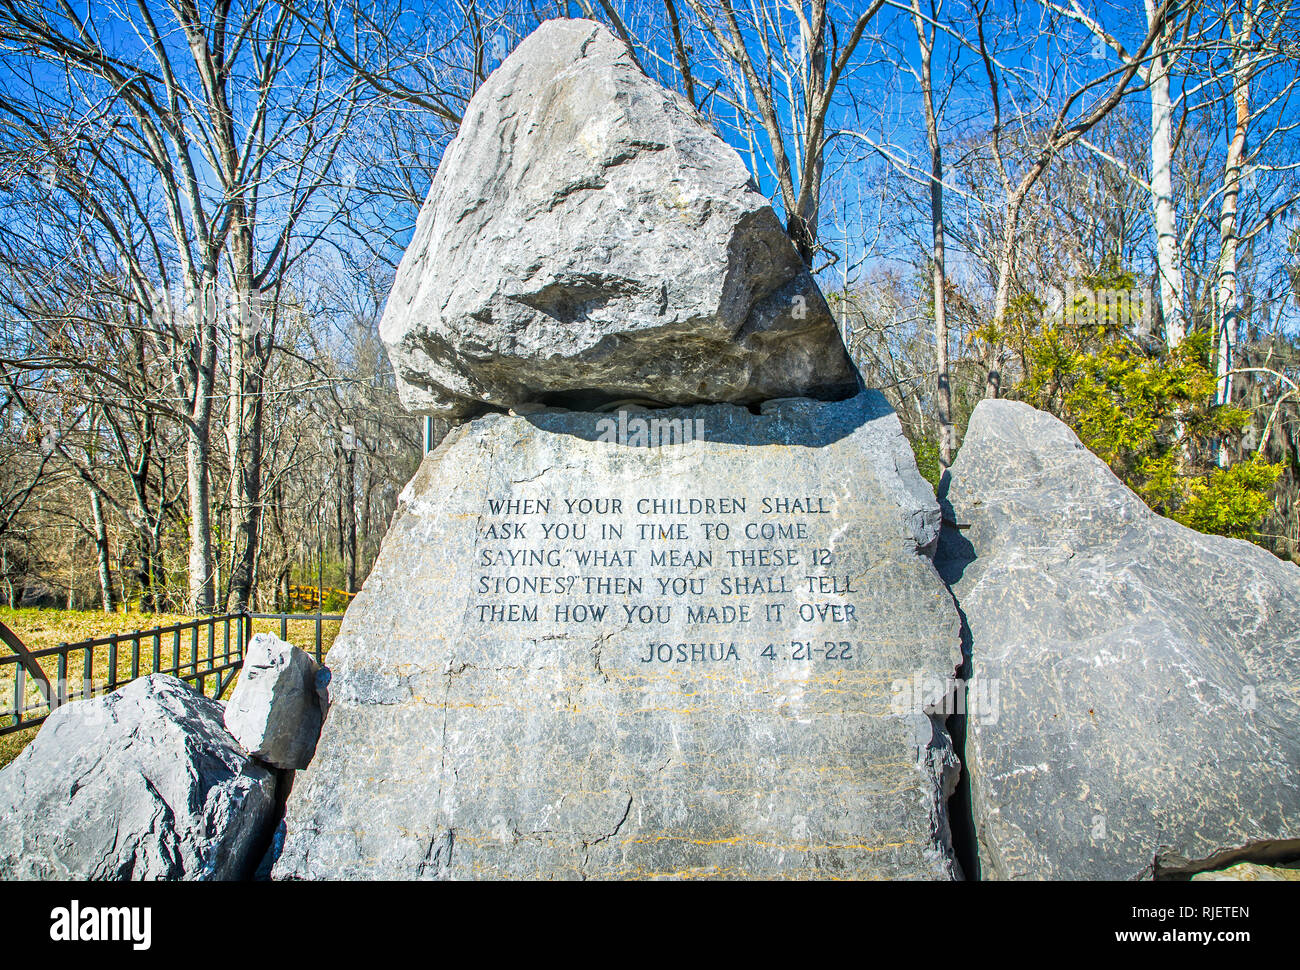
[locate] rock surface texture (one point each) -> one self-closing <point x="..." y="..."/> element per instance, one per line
<point x="1147" y="718"/>
<point x="581" y="657"/>
<point x="145" y="783"/>
<point x="589" y="238"/>
<point x="276" y="709"/>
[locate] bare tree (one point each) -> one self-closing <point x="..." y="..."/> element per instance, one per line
<point x="810" y="68"/>
<point x="266" y="113"/>
<point x="1254" y="44"/>
<point x="926" y="35"/>
<point x="1080" y="106"/>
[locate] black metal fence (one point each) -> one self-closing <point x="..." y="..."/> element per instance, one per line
<point x="206" y="652"/>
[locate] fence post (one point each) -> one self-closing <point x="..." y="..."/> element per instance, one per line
<point x="20" y="694"/>
<point x="62" y="687"/>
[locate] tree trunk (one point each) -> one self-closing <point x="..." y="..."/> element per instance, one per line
<point x="1002" y="297"/>
<point x="72" y="572"/>
<point x="350" y="519"/>
<point x="197" y="474"/>
<point x="1169" y="264"/>
<point x="367" y="509"/>
<point x="11" y="588"/>
<point x="101" y="551"/>
<point x="1226" y="286"/>
<point x="802" y="226"/>
<point x="244" y="416"/>
<point x="943" y="388"/>
<point x="198" y="447"/>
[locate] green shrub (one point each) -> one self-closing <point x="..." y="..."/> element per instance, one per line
<point x="1147" y="411"/>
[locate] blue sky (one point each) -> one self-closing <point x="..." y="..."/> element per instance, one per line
<point x="877" y="114"/>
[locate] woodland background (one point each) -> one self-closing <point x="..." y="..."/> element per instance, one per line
<point x="1093" y="207"/>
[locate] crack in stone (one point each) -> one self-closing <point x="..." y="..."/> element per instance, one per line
<point x="598" y="646"/>
<point x="531" y="478"/>
<point x="587" y="844"/>
<point x="433" y="856"/>
<point x="627" y="810"/>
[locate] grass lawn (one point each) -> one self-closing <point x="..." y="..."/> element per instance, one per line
<point x="39" y="629"/>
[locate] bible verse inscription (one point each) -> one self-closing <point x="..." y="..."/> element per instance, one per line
<point x="735" y="577"/>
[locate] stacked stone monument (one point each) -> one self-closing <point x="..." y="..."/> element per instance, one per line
<point x="643" y="614"/>
<point x="664" y="605"/>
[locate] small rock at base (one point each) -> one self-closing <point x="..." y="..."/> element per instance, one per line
<point x="279" y="704"/>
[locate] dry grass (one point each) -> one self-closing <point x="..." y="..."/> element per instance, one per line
<point x="40" y="629"/>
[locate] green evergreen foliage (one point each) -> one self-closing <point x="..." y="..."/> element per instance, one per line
<point x="1147" y="411"/>
<point x="927" y="459"/>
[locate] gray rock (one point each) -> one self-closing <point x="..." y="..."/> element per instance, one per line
<point x="276" y="710"/>
<point x="611" y="733"/>
<point x="1145" y="717"/>
<point x="589" y="237"/>
<point x="144" y="783"/>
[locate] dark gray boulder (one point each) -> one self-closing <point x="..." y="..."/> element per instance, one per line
<point x="1146" y="719"/>
<point x="589" y="238"/>
<point x="144" y="783"/>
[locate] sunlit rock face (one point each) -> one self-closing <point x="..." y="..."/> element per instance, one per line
<point x="588" y="652"/>
<point x="142" y="783"/>
<point x="590" y="238"/>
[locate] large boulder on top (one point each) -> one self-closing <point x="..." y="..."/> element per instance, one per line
<point x="590" y="238"/>
<point x="1146" y="721"/>
<point x="588" y="652"/>
<point x="279" y="704"/>
<point x="144" y="783"/>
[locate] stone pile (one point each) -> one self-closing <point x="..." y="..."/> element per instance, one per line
<point x="672" y="599"/>
<point x="144" y="783"/>
<point x="279" y="703"/>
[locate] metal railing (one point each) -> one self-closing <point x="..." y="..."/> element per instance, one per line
<point x="190" y="650"/>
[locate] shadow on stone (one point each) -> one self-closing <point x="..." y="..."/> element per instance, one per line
<point x="786" y="421"/>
